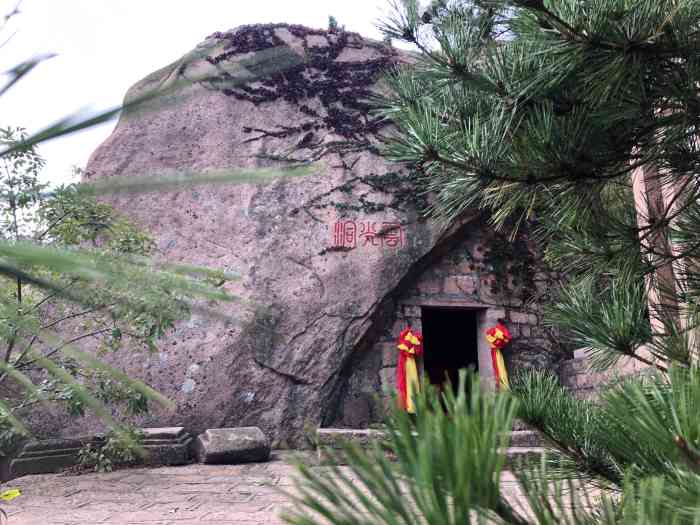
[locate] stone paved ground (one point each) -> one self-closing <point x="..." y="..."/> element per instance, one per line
<point x="193" y="494"/>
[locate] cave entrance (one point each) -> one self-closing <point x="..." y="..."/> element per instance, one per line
<point x="449" y="344"/>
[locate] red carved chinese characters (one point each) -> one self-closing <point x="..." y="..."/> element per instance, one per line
<point x="368" y="233"/>
<point x="393" y="234"/>
<point x="345" y="234"/>
<point x="390" y="234"/>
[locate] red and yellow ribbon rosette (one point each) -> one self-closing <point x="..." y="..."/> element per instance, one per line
<point x="498" y="337"/>
<point x="410" y="345"/>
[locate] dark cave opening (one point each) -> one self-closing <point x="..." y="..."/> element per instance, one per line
<point x="449" y="344"/>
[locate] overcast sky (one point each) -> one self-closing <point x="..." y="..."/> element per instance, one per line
<point x="105" y="46"/>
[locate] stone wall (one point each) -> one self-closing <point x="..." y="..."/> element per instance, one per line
<point x="576" y="375"/>
<point x="460" y="278"/>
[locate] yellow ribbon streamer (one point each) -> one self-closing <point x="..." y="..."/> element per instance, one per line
<point x="502" y="373"/>
<point x="412" y="384"/>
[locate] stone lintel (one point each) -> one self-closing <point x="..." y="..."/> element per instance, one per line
<point x="449" y="302"/>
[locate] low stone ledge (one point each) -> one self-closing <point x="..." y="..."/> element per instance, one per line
<point x="232" y="445"/>
<point x="526" y="445"/>
<point x="521" y="456"/>
<point x="519" y="424"/>
<point x="163" y="446"/>
<point x="526" y="438"/>
<point x="330" y="442"/>
<point x="166" y="446"/>
<point x="47" y="456"/>
<point x="337" y="437"/>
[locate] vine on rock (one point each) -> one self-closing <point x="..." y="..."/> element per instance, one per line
<point x="343" y="88"/>
<point x="393" y="183"/>
<point x="333" y="95"/>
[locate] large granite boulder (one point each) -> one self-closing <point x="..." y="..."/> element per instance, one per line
<point x="320" y="257"/>
<point x="232" y="446"/>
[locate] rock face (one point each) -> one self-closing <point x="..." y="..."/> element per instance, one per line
<point x="232" y="445"/>
<point x="321" y="257"/>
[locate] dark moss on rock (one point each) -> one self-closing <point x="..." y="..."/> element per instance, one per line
<point x="343" y="88"/>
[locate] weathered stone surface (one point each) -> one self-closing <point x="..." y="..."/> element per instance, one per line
<point x="526" y="438"/>
<point x="49" y="455"/>
<point x="330" y="442"/>
<point x="232" y="445"/>
<point x="337" y="437"/>
<point x="166" y="446"/>
<point x="321" y="268"/>
<point x="576" y="374"/>
<point x="279" y="365"/>
<point x="191" y="495"/>
<point x="525" y="445"/>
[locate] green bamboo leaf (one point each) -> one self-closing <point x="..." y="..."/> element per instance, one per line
<point x="183" y="179"/>
<point x="96" y="364"/>
<point x="17" y="72"/>
<point x="17" y="425"/>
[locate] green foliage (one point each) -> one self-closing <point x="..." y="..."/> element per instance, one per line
<point x="662" y="410"/>
<point x="541" y="113"/>
<point x="632" y="459"/>
<point x="125" y="308"/>
<point x="85" y="278"/>
<point x="633" y="434"/>
<point x="332" y="24"/>
<point x="73" y="273"/>
<point x="579" y="120"/>
<point x="432" y="477"/>
<point x="73" y="219"/>
<point x="20" y="189"/>
<point x="118" y="449"/>
<point x="610" y="321"/>
<point x="575" y="427"/>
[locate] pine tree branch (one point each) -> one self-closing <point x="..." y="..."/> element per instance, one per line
<point x="68" y="343"/>
<point x="57" y="293"/>
<point x="51" y="226"/>
<point x="77" y="314"/>
<point x="690" y="457"/>
<point x="641" y="359"/>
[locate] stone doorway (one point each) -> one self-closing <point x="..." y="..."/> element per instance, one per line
<point x="450" y="343"/>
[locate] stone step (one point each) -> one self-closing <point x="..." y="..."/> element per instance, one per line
<point x="230" y="446"/>
<point x="526" y="438"/>
<point x="336" y="437"/>
<point x="516" y="456"/>
<point x="166" y="446"/>
<point x="519" y="424"/>
<point x="162" y="446"/>
<point x="49" y="455"/>
<point x="526" y="445"/>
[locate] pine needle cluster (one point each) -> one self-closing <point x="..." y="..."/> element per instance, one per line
<point x="579" y="118"/>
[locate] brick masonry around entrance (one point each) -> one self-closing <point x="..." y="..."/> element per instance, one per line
<point x="461" y="278"/>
